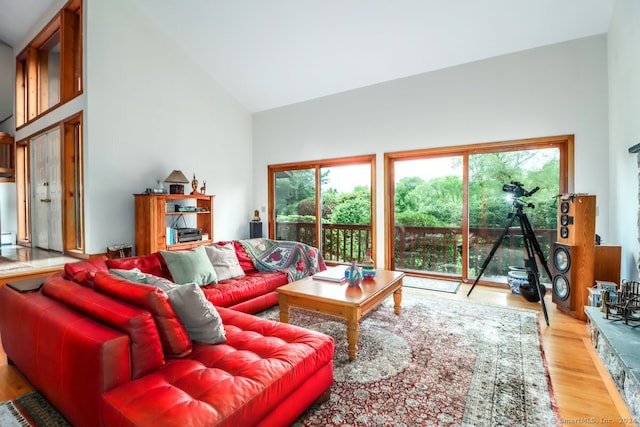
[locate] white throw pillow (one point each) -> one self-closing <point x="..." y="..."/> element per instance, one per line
<point x="224" y="261"/>
<point x="197" y="314"/>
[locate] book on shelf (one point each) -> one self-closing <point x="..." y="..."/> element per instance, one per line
<point x="171" y="238"/>
<point x="331" y="274"/>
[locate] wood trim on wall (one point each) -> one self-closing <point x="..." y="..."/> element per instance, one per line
<point x="31" y="84"/>
<point x="73" y="185"/>
<point x="72" y="177"/>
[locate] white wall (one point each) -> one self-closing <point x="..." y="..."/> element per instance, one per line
<point x="554" y="90"/>
<point x="151" y="109"/>
<point x="7" y="67"/>
<point x="8" y="211"/>
<point x="624" y="117"/>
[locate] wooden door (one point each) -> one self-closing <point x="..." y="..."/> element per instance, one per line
<point x="47" y="201"/>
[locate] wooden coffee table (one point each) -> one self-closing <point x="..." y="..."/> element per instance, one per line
<point x="341" y="300"/>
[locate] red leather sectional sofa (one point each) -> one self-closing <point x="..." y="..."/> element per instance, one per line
<point x="104" y="357"/>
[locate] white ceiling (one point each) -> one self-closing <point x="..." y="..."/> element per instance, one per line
<point x="277" y="52"/>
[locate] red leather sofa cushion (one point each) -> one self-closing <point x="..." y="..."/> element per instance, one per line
<point x="146" y="263"/>
<point x="174" y="337"/>
<point x="137" y="323"/>
<point x="240" y="382"/>
<point x="233" y="291"/>
<point x="83" y="271"/>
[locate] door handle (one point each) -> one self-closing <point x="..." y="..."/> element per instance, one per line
<point x="45" y="200"/>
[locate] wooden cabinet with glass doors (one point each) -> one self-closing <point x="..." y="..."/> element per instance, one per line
<point x="157" y="216"/>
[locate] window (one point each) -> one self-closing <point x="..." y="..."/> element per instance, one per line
<point x="49" y="70"/>
<point x="428" y="214"/>
<point x="7" y="170"/>
<point x="448" y="208"/>
<point x="326" y="204"/>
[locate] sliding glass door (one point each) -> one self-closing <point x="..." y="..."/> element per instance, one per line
<point x="495" y="179"/>
<point x="325" y="204"/>
<point x="295" y="205"/>
<point x="448" y="207"/>
<point x="428" y="202"/>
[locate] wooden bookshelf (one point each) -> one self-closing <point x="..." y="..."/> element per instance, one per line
<point x="154" y="213"/>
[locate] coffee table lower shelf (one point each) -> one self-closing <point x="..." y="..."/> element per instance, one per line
<point x="341" y="300"/>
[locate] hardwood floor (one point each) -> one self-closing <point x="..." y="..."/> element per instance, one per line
<point x="18" y="262"/>
<point x="584" y="392"/>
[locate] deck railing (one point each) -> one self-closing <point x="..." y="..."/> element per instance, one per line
<point x="433" y="249"/>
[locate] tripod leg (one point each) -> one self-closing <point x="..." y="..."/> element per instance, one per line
<point x="493" y="251"/>
<point x="530" y="243"/>
<point x="536" y="245"/>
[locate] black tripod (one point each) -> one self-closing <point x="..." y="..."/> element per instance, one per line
<point x="532" y="248"/>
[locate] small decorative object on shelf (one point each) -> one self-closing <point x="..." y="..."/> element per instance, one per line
<point x="355" y="274"/>
<point x="194" y="185"/>
<point x="256" y="216"/>
<point x="203" y="189"/>
<point x="627" y="303"/>
<point x="368" y="269"/>
<point x="158" y="189"/>
<point x="176" y="181"/>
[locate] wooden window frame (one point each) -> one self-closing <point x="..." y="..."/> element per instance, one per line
<point x="565" y="143"/>
<point x="73" y="185"/>
<point x="317" y="165"/>
<point x="23" y="192"/>
<point x="66" y="29"/>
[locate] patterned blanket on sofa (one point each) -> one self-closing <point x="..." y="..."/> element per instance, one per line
<point x="296" y="259"/>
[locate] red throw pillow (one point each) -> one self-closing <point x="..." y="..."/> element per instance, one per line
<point x="174" y="337"/>
<point x="91" y="266"/>
<point x="146" y="263"/>
<point x="245" y="261"/>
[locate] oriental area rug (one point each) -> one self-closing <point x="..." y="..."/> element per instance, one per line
<point x="30" y="410"/>
<point x="442" y="362"/>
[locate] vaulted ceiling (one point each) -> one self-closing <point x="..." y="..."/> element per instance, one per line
<point x="277" y="52"/>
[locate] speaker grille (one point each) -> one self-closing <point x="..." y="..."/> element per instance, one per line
<point x="561" y="259"/>
<point x="561" y="287"/>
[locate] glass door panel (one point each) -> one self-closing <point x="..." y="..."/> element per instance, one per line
<point x="295" y="206"/>
<point x="428" y="201"/>
<point x="346" y="212"/>
<point x="495" y="182"/>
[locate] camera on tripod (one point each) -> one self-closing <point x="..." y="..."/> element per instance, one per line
<point x="517" y="189"/>
<point x="533" y="291"/>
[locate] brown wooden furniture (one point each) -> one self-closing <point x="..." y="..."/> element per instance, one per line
<point x="155" y="212"/>
<point x="607" y="263"/>
<point x="341" y="300"/>
<point x="577" y="231"/>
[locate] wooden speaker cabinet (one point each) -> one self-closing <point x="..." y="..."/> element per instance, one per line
<point x="577" y="219"/>
<point x="572" y="270"/>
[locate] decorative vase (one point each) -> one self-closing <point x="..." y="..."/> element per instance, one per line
<point x="355" y="274"/>
<point x="368" y="266"/>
